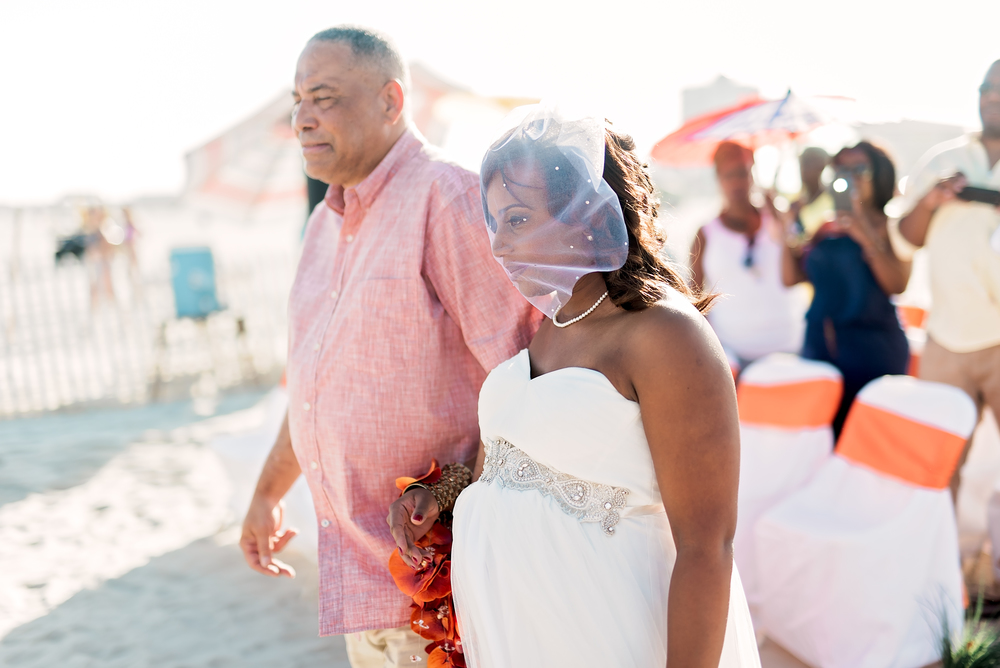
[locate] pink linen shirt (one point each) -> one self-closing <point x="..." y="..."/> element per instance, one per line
<point x="397" y="313"/>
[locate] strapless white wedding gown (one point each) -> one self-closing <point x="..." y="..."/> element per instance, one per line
<point x="562" y="552"/>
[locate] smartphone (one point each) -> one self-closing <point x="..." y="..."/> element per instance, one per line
<point x="842" y="190"/>
<point x="984" y="195"/>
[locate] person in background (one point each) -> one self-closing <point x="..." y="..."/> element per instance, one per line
<point x="815" y="205"/>
<point x="128" y="246"/>
<point x="854" y="270"/>
<point x="739" y="254"/>
<point x="397" y="312"/>
<point x="97" y="258"/>
<point x="963" y="244"/>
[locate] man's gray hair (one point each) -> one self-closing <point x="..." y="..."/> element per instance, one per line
<point x="374" y="48"/>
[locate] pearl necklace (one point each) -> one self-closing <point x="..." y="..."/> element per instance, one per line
<point x="579" y="317"/>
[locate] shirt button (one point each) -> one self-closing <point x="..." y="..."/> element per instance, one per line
<point x="313" y="465"/>
<point x="305" y="406"/>
<point x="349" y="238"/>
<point x="333" y="295"/>
<point x="325" y="523"/>
<point x="315" y="346"/>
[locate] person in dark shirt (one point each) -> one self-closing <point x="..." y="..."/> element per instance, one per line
<point x="850" y="262"/>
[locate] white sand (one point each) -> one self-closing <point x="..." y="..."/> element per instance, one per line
<point x="134" y="567"/>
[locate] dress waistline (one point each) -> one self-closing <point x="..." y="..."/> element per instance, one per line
<point x="587" y="501"/>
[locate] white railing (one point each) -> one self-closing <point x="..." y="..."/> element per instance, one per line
<point x="57" y="349"/>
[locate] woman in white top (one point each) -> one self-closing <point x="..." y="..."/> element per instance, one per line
<point x="739" y="255"/>
<point x="610" y="463"/>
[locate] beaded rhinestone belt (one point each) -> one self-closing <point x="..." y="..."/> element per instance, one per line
<point x="586" y="501"/>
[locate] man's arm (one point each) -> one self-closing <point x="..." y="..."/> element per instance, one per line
<point x="913" y="226"/>
<point x="495" y="320"/>
<point x="261" y="528"/>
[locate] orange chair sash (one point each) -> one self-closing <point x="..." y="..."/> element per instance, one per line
<point x="897" y="446"/>
<point x="802" y="405"/>
<point x="912" y="316"/>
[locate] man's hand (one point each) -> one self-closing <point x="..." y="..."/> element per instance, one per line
<point x="944" y="191"/>
<point x="262" y="536"/>
<point x="410" y="517"/>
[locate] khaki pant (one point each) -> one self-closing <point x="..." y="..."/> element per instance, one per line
<point x="386" y="648"/>
<point x="977" y="373"/>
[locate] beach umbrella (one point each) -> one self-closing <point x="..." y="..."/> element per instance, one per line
<point x="753" y="123"/>
<point x="255" y="164"/>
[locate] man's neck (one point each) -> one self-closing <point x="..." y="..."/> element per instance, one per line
<point x="377" y="158"/>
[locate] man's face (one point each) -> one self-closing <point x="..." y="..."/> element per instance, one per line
<point x="989" y="101"/>
<point x="339" y="116"/>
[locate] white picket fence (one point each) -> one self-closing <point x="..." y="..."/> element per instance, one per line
<point x="56" y="350"/>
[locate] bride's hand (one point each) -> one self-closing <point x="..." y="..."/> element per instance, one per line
<point x="410" y="517"/>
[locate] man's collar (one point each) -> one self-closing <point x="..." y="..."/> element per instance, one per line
<point x="405" y="147"/>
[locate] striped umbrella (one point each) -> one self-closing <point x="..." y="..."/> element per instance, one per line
<point x="754" y="123"/>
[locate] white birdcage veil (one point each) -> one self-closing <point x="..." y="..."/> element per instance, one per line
<point x="551" y="216"/>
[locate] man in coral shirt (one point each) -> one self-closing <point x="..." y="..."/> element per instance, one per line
<point x="397" y="314"/>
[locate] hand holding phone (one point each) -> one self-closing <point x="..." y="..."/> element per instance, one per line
<point x="984" y="195"/>
<point x="842" y="190"/>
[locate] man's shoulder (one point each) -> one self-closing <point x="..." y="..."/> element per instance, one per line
<point x="953" y="150"/>
<point x="443" y="177"/>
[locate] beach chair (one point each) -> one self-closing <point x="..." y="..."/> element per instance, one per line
<point x="862" y="564"/>
<point x="912" y="318"/>
<point x="735" y="366"/>
<point x="786" y="406"/>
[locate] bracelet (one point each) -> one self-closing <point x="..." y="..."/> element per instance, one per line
<point x="454" y="478"/>
<point x="417" y="485"/>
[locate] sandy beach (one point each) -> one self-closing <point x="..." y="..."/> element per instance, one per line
<point x="132" y="561"/>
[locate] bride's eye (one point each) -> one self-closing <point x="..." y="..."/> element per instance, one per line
<point x="515" y="221"/>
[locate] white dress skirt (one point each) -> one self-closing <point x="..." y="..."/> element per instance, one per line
<point x="562" y="551"/>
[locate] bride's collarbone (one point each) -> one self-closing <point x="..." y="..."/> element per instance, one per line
<point x="567" y="350"/>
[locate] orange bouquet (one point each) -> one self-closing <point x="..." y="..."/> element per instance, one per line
<point x="429" y="585"/>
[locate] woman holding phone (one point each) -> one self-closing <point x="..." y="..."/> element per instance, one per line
<point x="851" y="264"/>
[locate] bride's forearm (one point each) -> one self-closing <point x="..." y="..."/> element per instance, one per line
<point x="699" y="607"/>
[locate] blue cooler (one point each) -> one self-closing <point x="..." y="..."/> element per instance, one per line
<point x="192" y="274"/>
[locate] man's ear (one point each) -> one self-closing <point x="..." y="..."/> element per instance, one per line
<point x="393" y="99"/>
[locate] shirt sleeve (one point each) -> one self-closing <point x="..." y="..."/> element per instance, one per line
<point x="495" y="319"/>
<point x="924" y="176"/>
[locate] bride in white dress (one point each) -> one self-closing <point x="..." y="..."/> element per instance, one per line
<point x="610" y="457"/>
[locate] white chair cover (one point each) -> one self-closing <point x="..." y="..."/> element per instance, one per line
<point x="980" y="480"/>
<point x="862" y="565"/>
<point x="243" y="456"/>
<point x="786" y="407"/>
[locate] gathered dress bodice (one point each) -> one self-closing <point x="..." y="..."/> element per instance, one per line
<point x="573" y="420"/>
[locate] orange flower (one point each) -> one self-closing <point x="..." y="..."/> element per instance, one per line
<point x="445" y="654"/>
<point x="433" y="620"/>
<point x="433" y="615"/>
<point x="429" y="478"/>
<point x="438" y="537"/>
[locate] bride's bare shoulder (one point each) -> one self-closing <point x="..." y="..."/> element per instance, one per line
<point x="673" y="333"/>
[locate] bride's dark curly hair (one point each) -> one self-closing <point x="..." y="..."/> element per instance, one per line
<point x="644" y="278"/>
